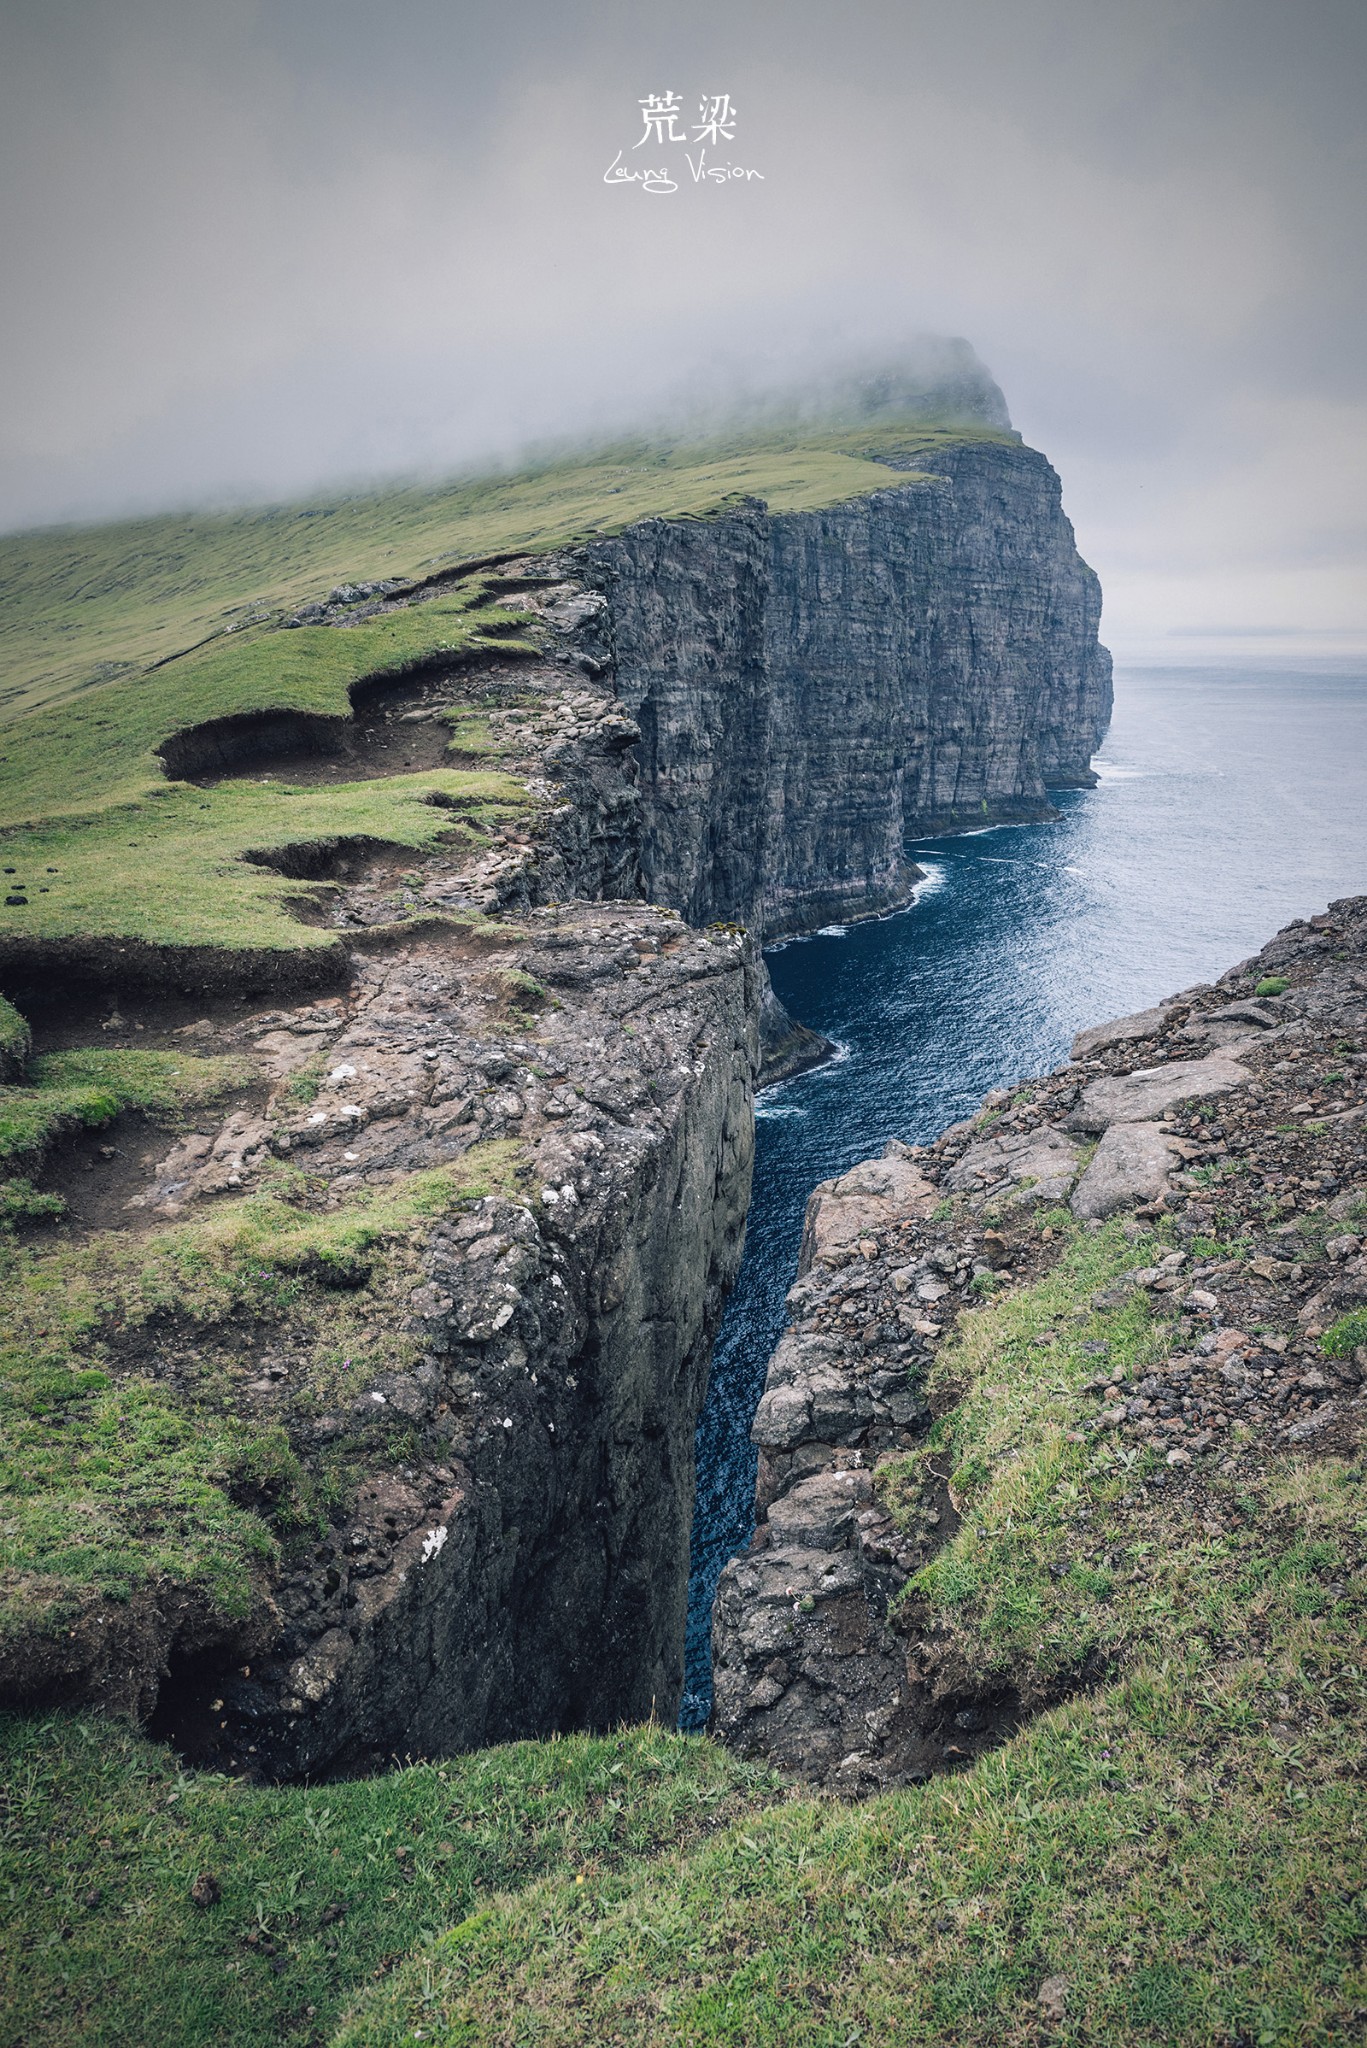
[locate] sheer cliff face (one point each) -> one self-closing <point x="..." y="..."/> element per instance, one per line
<point x="814" y="688"/>
<point x="498" y="1399"/>
<point x="742" y="718"/>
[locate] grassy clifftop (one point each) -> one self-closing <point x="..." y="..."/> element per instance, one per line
<point x="1172" y="1853"/>
<point x="114" y="639"/>
<point x="83" y="605"/>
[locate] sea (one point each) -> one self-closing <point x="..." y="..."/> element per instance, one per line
<point x="1229" y="801"/>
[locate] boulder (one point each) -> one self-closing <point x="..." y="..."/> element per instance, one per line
<point x="819" y="1512"/>
<point x="1119" y="1031"/>
<point x="1152" y="1092"/>
<point x="1039" y="1165"/>
<point x="1131" y="1164"/>
<point x="866" y="1199"/>
<point x="809" y="1392"/>
<point x="1263" y="1016"/>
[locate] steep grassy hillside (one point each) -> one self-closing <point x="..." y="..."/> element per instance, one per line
<point x="143" y="1905"/>
<point x="114" y="639"/>
<point x="81" y="605"/>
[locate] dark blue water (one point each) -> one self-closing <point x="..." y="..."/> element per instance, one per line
<point x="1229" y="803"/>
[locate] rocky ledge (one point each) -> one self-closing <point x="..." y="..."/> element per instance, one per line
<point x="512" y="1153"/>
<point x="1223" y="1134"/>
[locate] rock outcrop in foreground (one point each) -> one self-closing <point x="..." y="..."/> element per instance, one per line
<point x="1223" y="1135"/>
<point x="510" y="1165"/>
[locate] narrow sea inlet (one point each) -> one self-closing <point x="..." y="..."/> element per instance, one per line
<point x="1230" y="801"/>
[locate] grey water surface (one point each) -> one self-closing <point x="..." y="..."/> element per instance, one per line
<point x="1229" y="802"/>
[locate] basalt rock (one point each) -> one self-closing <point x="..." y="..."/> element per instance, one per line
<point x="1265" y="1156"/>
<point x="813" y="689"/>
<point x="513" y="1558"/>
<point x="727" y="732"/>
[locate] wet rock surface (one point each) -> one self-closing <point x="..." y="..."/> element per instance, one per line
<point x="1263" y="1157"/>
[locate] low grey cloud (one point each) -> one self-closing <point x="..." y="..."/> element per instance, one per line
<point x="255" y="249"/>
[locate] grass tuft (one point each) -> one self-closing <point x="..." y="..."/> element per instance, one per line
<point x="88" y="1088"/>
<point x="125" y="1459"/>
<point x="1345" y="1336"/>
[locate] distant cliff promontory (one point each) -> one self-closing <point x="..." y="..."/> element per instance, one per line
<point x="813" y="689"/>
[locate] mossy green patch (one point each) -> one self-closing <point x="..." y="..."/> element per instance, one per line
<point x="174" y="868"/>
<point x="110" y="1477"/>
<point x="21" y="1202"/>
<point x="107" y="1488"/>
<point x="1025" y="1581"/>
<point x="1347" y="1335"/>
<point x="321" y="1889"/>
<point x="16" y="1042"/>
<point x="87" y="1088"/>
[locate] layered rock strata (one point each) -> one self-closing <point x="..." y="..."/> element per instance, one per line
<point x="520" y="1567"/>
<point x="503" y="1391"/>
<point x="1240" y="1117"/>
<point x="814" y="689"/>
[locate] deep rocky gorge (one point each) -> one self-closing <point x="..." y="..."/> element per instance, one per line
<point x="1225" y="1131"/>
<point x="727" y="732"/>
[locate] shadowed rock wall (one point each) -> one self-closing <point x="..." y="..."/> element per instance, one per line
<point x="814" y="688"/>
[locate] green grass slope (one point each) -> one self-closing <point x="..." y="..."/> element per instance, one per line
<point x="115" y="1484"/>
<point x="79" y="605"/>
<point x="1175" y="1856"/>
<point x="112" y="639"/>
<point x="315" y="1892"/>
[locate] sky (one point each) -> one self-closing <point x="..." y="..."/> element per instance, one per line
<point x="261" y="247"/>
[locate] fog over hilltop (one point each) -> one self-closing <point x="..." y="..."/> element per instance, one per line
<point x="253" y="251"/>
<point x="928" y="376"/>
